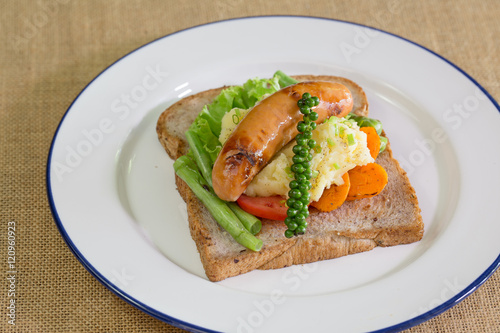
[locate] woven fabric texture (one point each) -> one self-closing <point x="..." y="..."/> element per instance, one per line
<point x="51" y="49"/>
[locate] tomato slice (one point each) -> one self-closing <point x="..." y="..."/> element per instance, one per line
<point x="272" y="208"/>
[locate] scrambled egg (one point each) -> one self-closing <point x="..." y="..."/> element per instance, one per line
<point x="340" y="147"/>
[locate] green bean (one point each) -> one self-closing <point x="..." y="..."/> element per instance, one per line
<point x="201" y="156"/>
<point x="250" y="222"/>
<point x="187" y="170"/>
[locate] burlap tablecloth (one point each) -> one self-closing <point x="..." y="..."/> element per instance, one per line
<point x="49" y="51"/>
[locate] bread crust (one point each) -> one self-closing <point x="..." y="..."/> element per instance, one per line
<point x="390" y="218"/>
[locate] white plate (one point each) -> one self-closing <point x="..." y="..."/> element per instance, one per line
<point x="112" y="193"/>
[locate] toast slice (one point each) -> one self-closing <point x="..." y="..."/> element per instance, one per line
<point x="390" y="218"/>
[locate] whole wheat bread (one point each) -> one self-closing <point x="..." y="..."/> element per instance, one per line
<point x="390" y="218"/>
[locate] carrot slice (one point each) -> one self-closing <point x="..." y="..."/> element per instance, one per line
<point x="372" y="140"/>
<point x="366" y="181"/>
<point x="333" y="197"/>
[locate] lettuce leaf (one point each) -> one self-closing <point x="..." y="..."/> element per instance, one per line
<point x="213" y="113"/>
<point x="284" y="80"/>
<point x="211" y="143"/>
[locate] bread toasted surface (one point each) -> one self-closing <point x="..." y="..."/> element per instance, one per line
<point x="390" y="218"/>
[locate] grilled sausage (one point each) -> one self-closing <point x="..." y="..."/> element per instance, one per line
<point x="267" y="128"/>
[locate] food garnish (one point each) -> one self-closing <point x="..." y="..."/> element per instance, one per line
<point x="299" y="196"/>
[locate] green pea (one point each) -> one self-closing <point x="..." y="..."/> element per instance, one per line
<point x="301" y="140"/>
<point x="305" y="211"/>
<point x="298" y="159"/>
<point x="300" y="177"/>
<point x="300" y="230"/>
<point x="308" y="173"/>
<point x="303" y="188"/>
<point x="296" y="149"/>
<point x="295" y="193"/>
<point x="291" y="212"/>
<point x="298" y="205"/>
<point x="302" y="181"/>
<point x="304" y="152"/>
<point x="299" y="218"/>
<point x="305" y="109"/>
<point x="302" y="126"/>
<point x="298" y="168"/>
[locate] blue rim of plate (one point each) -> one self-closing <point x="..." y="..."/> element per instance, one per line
<point x="194" y="328"/>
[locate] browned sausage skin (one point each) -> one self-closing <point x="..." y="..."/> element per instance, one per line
<point x="267" y="128"/>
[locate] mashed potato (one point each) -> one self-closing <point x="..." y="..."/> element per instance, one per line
<point x="230" y="121"/>
<point x="340" y="147"/>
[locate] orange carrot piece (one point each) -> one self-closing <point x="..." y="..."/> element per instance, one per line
<point x="372" y="140"/>
<point x="366" y="181"/>
<point x="333" y="197"/>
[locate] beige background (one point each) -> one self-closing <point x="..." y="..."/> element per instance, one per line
<point x="49" y="51"/>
